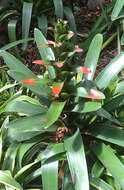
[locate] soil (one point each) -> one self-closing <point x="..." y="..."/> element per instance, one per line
<point x="85" y="20"/>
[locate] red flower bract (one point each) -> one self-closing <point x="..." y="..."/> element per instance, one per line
<point x="94" y="94"/>
<point x="78" y="50"/>
<point x="29" y="81"/>
<point x="56" y="90"/>
<point x="39" y="62"/>
<point x="50" y="42"/>
<point x="43" y="46"/>
<point x="84" y="70"/>
<point x="71" y="34"/>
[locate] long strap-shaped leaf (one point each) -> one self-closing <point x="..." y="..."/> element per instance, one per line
<point x="26" y="19"/>
<point x="58" y="8"/>
<point x="43" y="24"/>
<point x="46" y="53"/>
<point x="111" y="162"/>
<point x="110" y="71"/>
<point x="76" y="160"/>
<point x="109" y="134"/>
<point x="117" y="8"/>
<point x="50" y="176"/>
<point x="93" y="55"/>
<point x="6" y="179"/>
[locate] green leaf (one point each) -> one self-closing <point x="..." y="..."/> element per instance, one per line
<point x="85" y="107"/>
<point x="13" y="44"/>
<point x="105" y="114"/>
<point x="108" y="133"/>
<point x="58" y="8"/>
<point x="6" y="179"/>
<point x="27" y="127"/>
<point x="51" y="151"/>
<point x="24" y="107"/>
<point x="50" y="176"/>
<point x="100" y="184"/>
<point x="111" y="162"/>
<point x="114" y="103"/>
<point x="53" y="113"/>
<point x="51" y="72"/>
<point x="10" y="156"/>
<point x="43" y="24"/>
<point x="7" y="86"/>
<point x="117" y="8"/>
<point x="46" y="53"/>
<point x="76" y="160"/>
<point x="71" y="19"/>
<point x="26" y="19"/>
<point x="119" y="88"/>
<point x="14" y="64"/>
<point x="110" y="71"/>
<point x="12" y="34"/>
<point x="93" y="55"/>
<point x="97" y="169"/>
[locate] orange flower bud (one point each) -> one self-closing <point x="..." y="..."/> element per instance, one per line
<point x="95" y="94"/>
<point x="78" y="50"/>
<point x="39" y="62"/>
<point x="84" y="70"/>
<point x="29" y="81"/>
<point x="43" y="46"/>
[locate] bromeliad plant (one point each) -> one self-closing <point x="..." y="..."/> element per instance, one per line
<point x="68" y="102"/>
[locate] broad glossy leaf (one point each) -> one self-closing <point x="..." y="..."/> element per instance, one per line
<point x="119" y="88"/>
<point x="93" y="55"/>
<point x="50" y="176"/>
<point x="110" y="71"/>
<point x="6" y="179"/>
<point x="111" y="162"/>
<point x="46" y="53"/>
<point x="43" y="24"/>
<point x="86" y="107"/>
<point x="58" y="8"/>
<point x="53" y="113"/>
<point x="108" y="133"/>
<point x="117" y="8"/>
<point x="100" y="184"/>
<point x="76" y="160"/>
<point x="14" y="64"/>
<point x="26" y="19"/>
<point x="24" y="107"/>
<point x="27" y="127"/>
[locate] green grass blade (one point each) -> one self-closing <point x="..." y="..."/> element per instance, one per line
<point x="26" y="20"/>
<point x="46" y="53"/>
<point x="43" y="24"/>
<point x="111" y="162"/>
<point x="6" y="179"/>
<point x="58" y="8"/>
<point x="93" y="55"/>
<point x="76" y="160"/>
<point x="110" y="71"/>
<point x="12" y="34"/>
<point x="13" y="44"/>
<point x="109" y="134"/>
<point x="117" y="8"/>
<point x="71" y="19"/>
<point x="50" y="176"/>
<point x="7" y="87"/>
